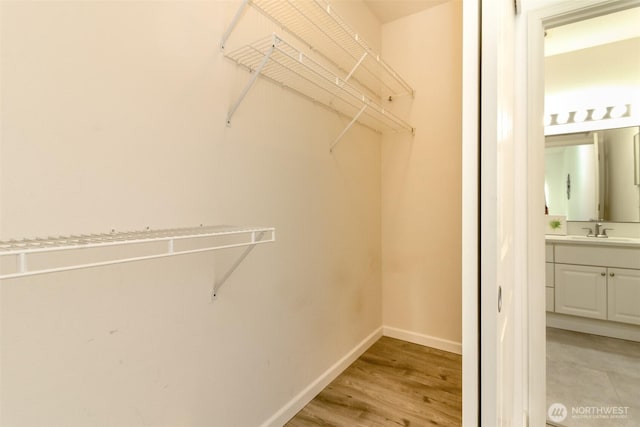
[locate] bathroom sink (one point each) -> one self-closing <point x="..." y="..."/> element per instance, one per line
<point x="602" y="240"/>
<point x="610" y="239"/>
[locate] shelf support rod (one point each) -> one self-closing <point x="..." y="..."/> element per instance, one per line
<point x="233" y="23"/>
<point x="22" y="263"/>
<point x="218" y="284"/>
<point x="252" y="81"/>
<point x="357" y="116"/>
<point x="355" y="67"/>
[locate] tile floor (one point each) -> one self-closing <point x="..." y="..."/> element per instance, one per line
<point x="591" y="371"/>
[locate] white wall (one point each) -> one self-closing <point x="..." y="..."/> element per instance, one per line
<point x="114" y="117"/>
<point x="580" y="164"/>
<point x="621" y="186"/>
<point x="421" y="181"/>
<point x="600" y="76"/>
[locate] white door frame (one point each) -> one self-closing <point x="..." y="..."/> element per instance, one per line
<point x="536" y="15"/>
<point x="470" y="200"/>
<point x="532" y="66"/>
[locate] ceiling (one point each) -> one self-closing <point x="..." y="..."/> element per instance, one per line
<point x="390" y="10"/>
<point x="593" y="32"/>
<point x="579" y="35"/>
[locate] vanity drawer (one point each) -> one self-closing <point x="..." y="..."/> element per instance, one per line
<point x="548" y="253"/>
<point x="548" y="276"/>
<point x="610" y="256"/>
<point x="550" y="297"/>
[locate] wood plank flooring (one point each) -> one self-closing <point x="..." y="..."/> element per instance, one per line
<point x="394" y="383"/>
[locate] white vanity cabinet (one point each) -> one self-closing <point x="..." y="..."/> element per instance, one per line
<point x="581" y="290"/>
<point x="596" y="281"/>
<point x="623" y="295"/>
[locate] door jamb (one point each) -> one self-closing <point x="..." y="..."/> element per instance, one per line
<point x="539" y="20"/>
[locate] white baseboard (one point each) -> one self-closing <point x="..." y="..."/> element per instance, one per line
<point x="586" y="325"/>
<point x="422" y="339"/>
<point x="289" y="410"/>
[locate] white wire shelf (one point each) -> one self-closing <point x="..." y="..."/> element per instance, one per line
<point x="316" y="23"/>
<point x="145" y="245"/>
<point x="280" y="62"/>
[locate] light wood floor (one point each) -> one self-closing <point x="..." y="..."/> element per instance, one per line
<point x="394" y="383"/>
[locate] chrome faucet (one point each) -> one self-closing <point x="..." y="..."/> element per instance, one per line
<point x="597" y="226"/>
<point x="600" y="232"/>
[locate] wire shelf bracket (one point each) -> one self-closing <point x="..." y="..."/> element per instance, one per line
<point x="153" y="244"/>
<point x="251" y="82"/>
<point x="278" y="61"/>
<point x="218" y="283"/>
<point x="339" y="137"/>
<point x="233" y="24"/>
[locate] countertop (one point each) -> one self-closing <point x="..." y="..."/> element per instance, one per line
<point x="584" y="240"/>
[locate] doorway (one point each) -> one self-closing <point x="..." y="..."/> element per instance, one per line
<point x="557" y="349"/>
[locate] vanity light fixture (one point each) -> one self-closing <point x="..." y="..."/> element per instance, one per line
<point x="588" y="115"/>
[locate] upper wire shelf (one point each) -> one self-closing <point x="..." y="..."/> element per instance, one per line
<point x="279" y="61"/>
<point x="322" y="29"/>
<point x="153" y="244"/>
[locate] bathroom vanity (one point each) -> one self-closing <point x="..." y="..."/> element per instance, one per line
<point x="593" y="285"/>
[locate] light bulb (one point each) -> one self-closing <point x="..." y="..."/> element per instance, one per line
<point x="562" y="118"/>
<point x="598" y="113"/>
<point x="580" y="116"/>
<point x="618" y="111"/>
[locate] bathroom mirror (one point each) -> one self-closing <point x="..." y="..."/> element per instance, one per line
<point x="594" y="175"/>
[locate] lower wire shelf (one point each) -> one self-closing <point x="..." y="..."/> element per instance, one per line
<point x="33" y="256"/>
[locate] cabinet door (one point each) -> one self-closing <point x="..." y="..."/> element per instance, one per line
<point x="581" y="290"/>
<point x="624" y="295"/>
